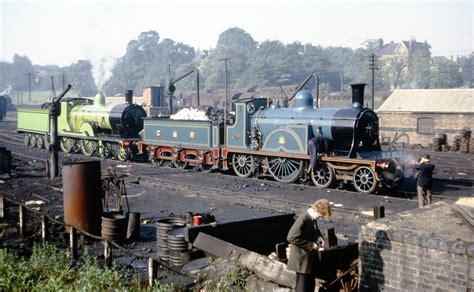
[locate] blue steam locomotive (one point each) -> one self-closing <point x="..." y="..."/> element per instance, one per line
<point x="269" y="139"/>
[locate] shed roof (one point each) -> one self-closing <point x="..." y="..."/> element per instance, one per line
<point x="430" y="100"/>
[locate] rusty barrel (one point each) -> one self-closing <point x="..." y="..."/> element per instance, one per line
<point x="162" y="227"/>
<point x="82" y="195"/>
<point x="178" y="247"/>
<point x="113" y="225"/>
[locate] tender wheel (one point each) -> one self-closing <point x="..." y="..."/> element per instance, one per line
<point x="364" y="180"/>
<point x="122" y="154"/>
<point x="243" y="164"/>
<point x="33" y="140"/>
<point x="157" y="161"/>
<point x="285" y="170"/>
<point x="27" y="140"/>
<point x="206" y="168"/>
<point x="67" y="144"/>
<point x="105" y="150"/>
<point x="180" y="164"/>
<point x="322" y="176"/>
<point x="88" y="147"/>
<point x="40" y="142"/>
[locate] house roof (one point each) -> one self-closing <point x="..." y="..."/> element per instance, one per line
<point x="430" y="100"/>
<point x="388" y="49"/>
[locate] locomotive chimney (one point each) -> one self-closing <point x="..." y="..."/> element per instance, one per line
<point x="129" y="96"/>
<point x="358" y="94"/>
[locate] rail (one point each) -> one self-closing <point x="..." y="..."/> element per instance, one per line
<point x="46" y="221"/>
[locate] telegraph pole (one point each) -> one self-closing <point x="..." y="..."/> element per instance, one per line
<point x="29" y="87"/>
<point x="225" y="88"/>
<point x="373" y="65"/>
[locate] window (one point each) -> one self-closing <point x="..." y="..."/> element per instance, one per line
<point x="426" y="126"/>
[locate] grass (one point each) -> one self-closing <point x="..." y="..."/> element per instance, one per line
<point x="48" y="269"/>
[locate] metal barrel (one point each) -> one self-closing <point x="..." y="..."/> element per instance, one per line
<point x="113" y="225"/>
<point x="133" y="228"/>
<point x="178" y="246"/>
<point x="82" y="197"/>
<point x="162" y="228"/>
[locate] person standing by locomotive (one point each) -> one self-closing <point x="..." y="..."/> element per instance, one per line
<point x="424" y="181"/>
<point x="305" y="240"/>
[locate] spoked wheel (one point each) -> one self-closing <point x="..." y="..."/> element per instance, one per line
<point x="27" y="140"/>
<point x="284" y="169"/>
<point x="206" y="168"/>
<point x="322" y="176"/>
<point x="88" y="147"/>
<point x="180" y="164"/>
<point x="40" y="142"/>
<point x="33" y="140"/>
<point x="364" y="180"/>
<point x="122" y="154"/>
<point x="105" y="150"/>
<point x="158" y="161"/>
<point x="67" y="144"/>
<point x="243" y="164"/>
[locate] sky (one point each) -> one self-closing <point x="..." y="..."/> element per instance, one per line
<point x="62" y="32"/>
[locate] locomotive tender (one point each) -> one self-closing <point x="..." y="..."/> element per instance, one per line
<point x="273" y="139"/>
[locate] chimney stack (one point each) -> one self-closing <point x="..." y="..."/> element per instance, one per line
<point x="129" y="96"/>
<point x="358" y="94"/>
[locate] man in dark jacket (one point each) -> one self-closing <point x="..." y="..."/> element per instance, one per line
<point x="305" y="241"/>
<point x="424" y="181"/>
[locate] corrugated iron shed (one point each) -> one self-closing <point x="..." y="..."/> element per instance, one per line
<point x="430" y="100"/>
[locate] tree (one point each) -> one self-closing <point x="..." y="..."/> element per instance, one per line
<point x="445" y="74"/>
<point x="79" y="75"/>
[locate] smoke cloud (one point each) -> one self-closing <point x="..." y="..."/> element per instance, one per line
<point x="102" y="70"/>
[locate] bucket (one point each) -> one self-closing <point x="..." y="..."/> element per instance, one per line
<point x="133" y="227"/>
<point x="82" y="195"/>
<point x="177" y="245"/>
<point x="113" y="226"/>
<point x="162" y="228"/>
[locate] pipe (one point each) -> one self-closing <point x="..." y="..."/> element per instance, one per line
<point x="302" y="84"/>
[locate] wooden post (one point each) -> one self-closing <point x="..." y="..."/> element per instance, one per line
<point x="379" y="212"/>
<point x="21" y="215"/>
<point x="107" y="254"/>
<point x="44" y="228"/>
<point x="2" y="206"/>
<point x="73" y="242"/>
<point x="152" y="265"/>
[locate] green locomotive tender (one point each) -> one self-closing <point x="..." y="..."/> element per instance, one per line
<point x="90" y="126"/>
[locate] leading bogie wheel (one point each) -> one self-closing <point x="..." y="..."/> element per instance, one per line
<point x="243" y="164"/>
<point x="322" y="175"/>
<point x="285" y="169"/>
<point x="88" y="147"/>
<point x="122" y="154"/>
<point x="27" y="140"/>
<point x="364" y="179"/>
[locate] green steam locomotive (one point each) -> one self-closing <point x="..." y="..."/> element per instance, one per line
<point x="87" y="125"/>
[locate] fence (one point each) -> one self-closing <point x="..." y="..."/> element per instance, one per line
<point x="47" y="221"/>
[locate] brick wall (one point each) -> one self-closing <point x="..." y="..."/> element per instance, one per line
<point x="405" y="124"/>
<point x="428" y="249"/>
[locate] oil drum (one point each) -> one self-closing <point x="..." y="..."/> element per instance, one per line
<point x="162" y="228"/>
<point x="82" y="195"/>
